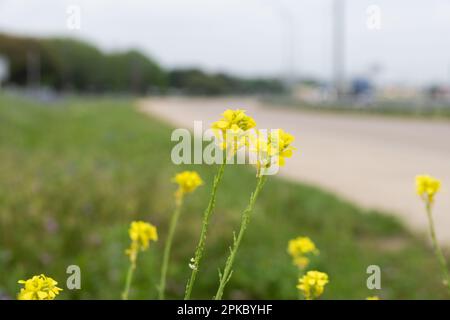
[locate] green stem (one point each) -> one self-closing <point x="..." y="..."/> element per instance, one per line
<point x="166" y="256"/>
<point x="128" y="281"/>
<point x="300" y="274"/>
<point x="225" y="277"/>
<point x="201" y="243"/>
<point x="437" y="248"/>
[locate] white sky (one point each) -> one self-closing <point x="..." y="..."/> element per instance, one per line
<point x="251" y="37"/>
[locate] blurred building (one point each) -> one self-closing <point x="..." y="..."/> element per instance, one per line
<point x="398" y="92"/>
<point x="439" y="93"/>
<point x="314" y="93"/>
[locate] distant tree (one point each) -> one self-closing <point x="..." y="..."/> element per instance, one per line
<point x="69" y="64"/>
<point x="18" y="52"/>
<point x="85" y="68"/>
<point x="196" y="82"/>
<point x="76" y="65"/>
<point x="80" y="64"/>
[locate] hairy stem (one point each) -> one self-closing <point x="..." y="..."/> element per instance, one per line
<point x="168" y="246"/>
<point x="201" y="243"/>
<point x="225" y="277"/>
<point x="300" y="275"/>
<point x="437" y="248"/>
<point x="126" y="291"/>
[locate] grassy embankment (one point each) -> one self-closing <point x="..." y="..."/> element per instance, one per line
<point x="74" y="174"/>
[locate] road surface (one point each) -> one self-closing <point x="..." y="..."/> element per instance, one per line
<point x="369" y="160"/>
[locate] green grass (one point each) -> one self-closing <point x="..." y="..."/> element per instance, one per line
<point x="74" y="174"/>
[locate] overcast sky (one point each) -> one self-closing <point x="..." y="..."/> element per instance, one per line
<point x="253" y="37"/>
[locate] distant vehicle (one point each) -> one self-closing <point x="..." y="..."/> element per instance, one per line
<point x="362" y="91"/>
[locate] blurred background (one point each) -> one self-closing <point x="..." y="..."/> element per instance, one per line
<point x="89" y="94"/>
<point x="364" y="53"/>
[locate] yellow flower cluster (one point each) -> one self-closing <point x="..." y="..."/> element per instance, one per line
<point x="232" y="130"/>
<point x="273" y="148"/>
<point x="373" y="298"/>
<point x="187" y="182"/>
<point x="299" y="248"/>
<point x="280" y="147"/>
<point x="234" y="120"/>
<point x="427" y="187"/>
<point x="141" y="233"/>
<point x="39" y="288"/>
<point x="312" y="284"/>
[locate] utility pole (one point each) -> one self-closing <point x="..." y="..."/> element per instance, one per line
<point x="4" y="69"/>
<point x="338" y="57"/>
<point x="288" y="26"/>
<point x="33" y="69"/>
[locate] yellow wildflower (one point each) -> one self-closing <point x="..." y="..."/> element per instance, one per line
<point x="281" y="146"/>
<point x="273" y="148"/>
<point x="298" y="248"/>
<point x="260" y="143"/>
<point x="141" y="233"/>
<point x="312" y="284"/>
<point x="235" y="120"/>
<point x="373" y="298"/>
<point x="232" y="130"/>
<point x="38" y="288"/>
<point x="427" y="187"/>
<point x="301" y="245"/>
<point x="301" y="261"/>
<point x="187" y="182"/>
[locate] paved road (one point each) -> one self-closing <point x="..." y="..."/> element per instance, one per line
<point x="369" y="160"/>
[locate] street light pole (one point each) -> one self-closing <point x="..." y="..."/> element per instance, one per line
<point x="338" y="58"/>
<point x="288" y="27"/>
